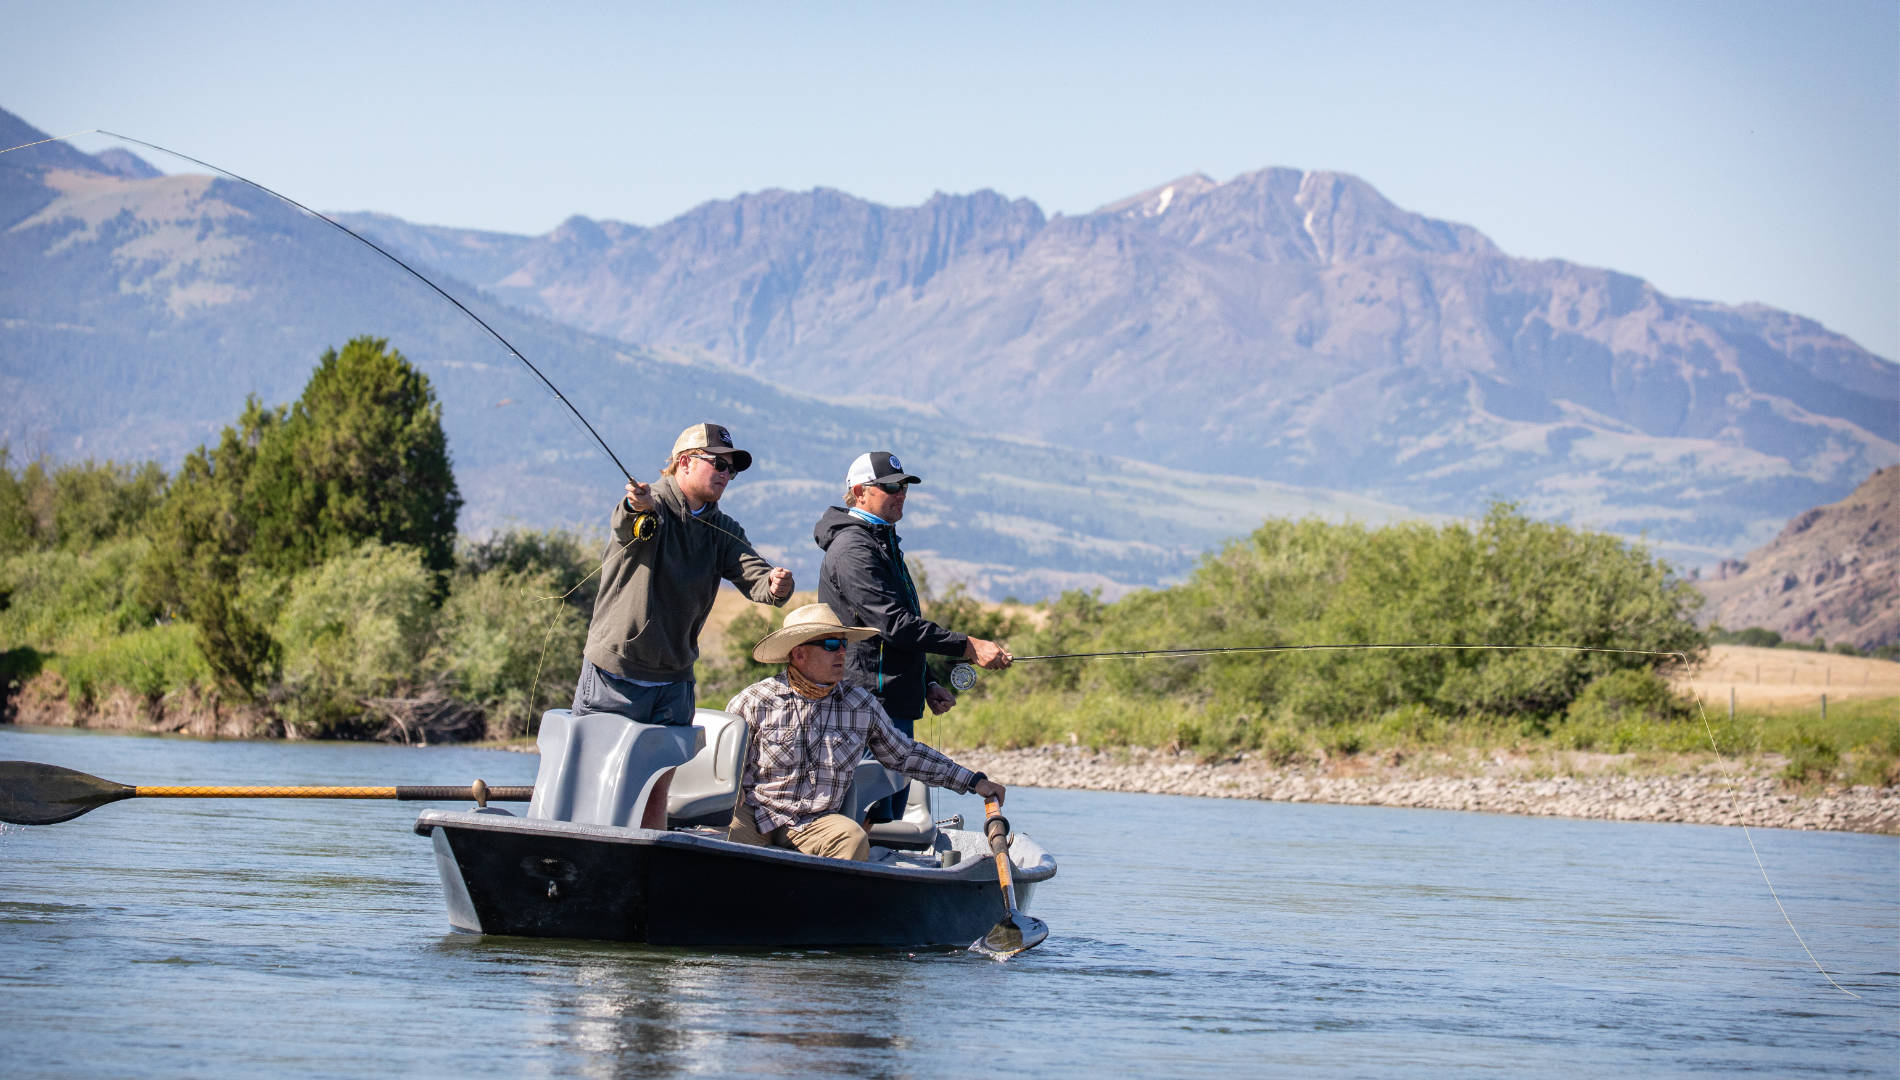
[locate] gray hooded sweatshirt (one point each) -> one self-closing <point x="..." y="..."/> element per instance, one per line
<point x="655" y="593"/>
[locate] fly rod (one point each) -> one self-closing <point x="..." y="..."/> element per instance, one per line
<point x="373" y="246"/>
<point x="963" y="676"/>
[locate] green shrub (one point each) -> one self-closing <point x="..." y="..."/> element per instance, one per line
<point x="1811" y="759"/>
<point x="358" y="626"/>
<point x="149" y="662"/>
<point x="1282" y="747"/>
<point x="1309" y="585"/>
<point x="1756" y="636"/>
<point x="496" y="634"/>
<point x="1632" y="693"/>
<point x="54" y="594"/>
<point x="570" y="562"/>
<point x="75" y="506"/>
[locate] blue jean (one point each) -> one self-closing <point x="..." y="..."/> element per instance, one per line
<point x="604" y="692"/>
<point x="892" y="809"/>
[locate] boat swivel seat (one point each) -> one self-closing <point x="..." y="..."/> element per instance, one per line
<point x="916" y="829"/>
<point x="872" y="782"/>
<point x="600" y="769"/>
<point x="706" y="788"/>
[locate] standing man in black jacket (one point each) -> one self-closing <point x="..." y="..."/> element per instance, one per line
<point x="865" y="581"/>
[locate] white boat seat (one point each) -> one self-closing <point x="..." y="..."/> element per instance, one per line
<point x="705" y="789"/>
<point x="599" y="769"/>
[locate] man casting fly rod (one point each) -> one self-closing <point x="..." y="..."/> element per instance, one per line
<point x="669" y="548"/>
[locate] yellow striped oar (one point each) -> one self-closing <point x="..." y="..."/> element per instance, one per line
<point x="1016" y="932"/>
<point x="32" y="793"/>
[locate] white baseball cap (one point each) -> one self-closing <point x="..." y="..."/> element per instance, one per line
<point x="878" y="467"/>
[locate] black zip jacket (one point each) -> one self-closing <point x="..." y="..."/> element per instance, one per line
<point x="865" y="582"/>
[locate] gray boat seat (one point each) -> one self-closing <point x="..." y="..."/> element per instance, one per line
<point x="916" y="829"/>
<point x="599" y="769"/>
<point x="871" y="782"/>
<point x="704" y="789"/>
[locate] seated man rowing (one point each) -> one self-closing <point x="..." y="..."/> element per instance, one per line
<point x="809" y="731"/>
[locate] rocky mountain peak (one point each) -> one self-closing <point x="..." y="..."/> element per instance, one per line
<point x="1833" y="573"/>
<point x="1161" y="198"/>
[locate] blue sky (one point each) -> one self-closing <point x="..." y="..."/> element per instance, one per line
<point x="1733" y="151"/>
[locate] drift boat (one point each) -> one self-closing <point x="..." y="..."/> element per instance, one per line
<point x="578" y="864"/>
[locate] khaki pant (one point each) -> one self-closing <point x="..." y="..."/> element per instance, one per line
<point x="833" y="836"/>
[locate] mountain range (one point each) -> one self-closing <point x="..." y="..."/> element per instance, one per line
<point x="1287" y="324"/>
<point x="138" y="311"/>
<point x="1093" y="399"/>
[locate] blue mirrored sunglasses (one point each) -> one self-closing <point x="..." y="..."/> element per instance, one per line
<point x="830" y="644"/>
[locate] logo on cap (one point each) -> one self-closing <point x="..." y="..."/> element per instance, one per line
<point x="725" y="436"/>
<point x="896" y="465"/>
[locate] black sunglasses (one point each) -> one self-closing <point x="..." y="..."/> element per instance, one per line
<point x="892" y="489"/>
<point x="719" y="464"/>
<point x="830" y="644"/>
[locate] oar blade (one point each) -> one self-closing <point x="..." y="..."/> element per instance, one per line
<point x="1017" y="933"/>
<point x="32" y="793"/>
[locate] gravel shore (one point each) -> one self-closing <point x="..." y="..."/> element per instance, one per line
<point x="1730" y="794"/>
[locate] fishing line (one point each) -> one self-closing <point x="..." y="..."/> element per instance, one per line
<point x="1703" y="711"/>
<point x="963" y="677"/>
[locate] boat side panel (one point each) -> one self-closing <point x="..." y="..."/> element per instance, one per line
<point x="705" y="899"/>
<point x="666" y="894"/>
<point x="552" y="886"/>
<point x="462" y="914"/>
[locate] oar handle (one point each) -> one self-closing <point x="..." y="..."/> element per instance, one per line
<point x="996" y="828"/>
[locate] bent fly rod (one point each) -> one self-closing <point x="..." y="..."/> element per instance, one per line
<point x="373" y="246"/>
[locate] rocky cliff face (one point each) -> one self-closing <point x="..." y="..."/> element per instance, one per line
<point x="1285" y="323"/>
<point x="1832" y="573"/>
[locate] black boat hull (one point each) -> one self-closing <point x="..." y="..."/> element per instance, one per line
<point x="517" y="876"/>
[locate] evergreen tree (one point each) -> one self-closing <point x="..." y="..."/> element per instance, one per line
<point x="361" y="456"/>
<point x="19" y="528"/>
<point x="201" y="537"/>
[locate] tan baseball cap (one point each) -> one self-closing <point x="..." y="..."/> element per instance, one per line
<point x="713" y="439"/>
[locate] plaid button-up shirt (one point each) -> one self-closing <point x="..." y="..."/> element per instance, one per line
<point x="803" y="754"/>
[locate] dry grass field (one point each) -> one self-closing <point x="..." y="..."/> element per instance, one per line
<point x="1779" y="677"/>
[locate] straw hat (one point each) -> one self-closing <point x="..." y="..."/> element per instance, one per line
<point x="813" y="622"/>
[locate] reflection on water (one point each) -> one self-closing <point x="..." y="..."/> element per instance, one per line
<point x="1188" y="938"/>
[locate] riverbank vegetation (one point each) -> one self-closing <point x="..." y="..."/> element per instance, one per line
<point x="306" y="567"/>
<point x="1623" y="624"/>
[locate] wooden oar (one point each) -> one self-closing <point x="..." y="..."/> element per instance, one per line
<point x="1017" y="932"/>
<point x="35" y="794"/>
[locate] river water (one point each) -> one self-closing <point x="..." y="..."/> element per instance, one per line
<point x="1188" y="937"/>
